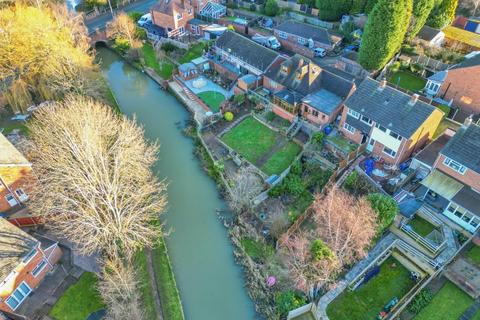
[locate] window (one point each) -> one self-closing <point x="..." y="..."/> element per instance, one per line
<point x="11" y="200"/>
<point x="282" y="35"/>
<point x="179" y="16"/>
<point x="366" y="120"/>
<point x="467" y="217"/>
<point x="39" y="267"/>
<point x="390" y="152"/>
<point x="301" y="40"/>
<point x="348" y="127"/>
<point x="190" y="11"/>
<point x="353" y="113"/>
<point x="315" y="113"/>
<point x="273" y="84"/>
<point x="21" y="194"/>
<point x="305" y="108"/>
<point x="433" y="86"/>
<point x="181" y="29"/>
<point x="455" y="165"/>
<point x="395" y="135"/>
<point x="381" y="128"/>
<point x="29" y="256"/>
<point x="474" y="223"/>
<point x="18" y="296"/>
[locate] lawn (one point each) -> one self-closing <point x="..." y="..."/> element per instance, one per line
<point x="165" y="69"/>
<point x="281" y="159"/>
<point x="407" y="80"/>
<point x="212" y="99"/>
<point x="166" y="284"/>
<point x="474" y="254"/>
<point x="145" y="286"/>
<point x="251" y="139"/>
<point x="367" y="301"/>
<point x="256" y="249"/>
<point x="421" y="226"/>
<point x="193" y="52"/>
<point x="449" y="303"/>
<point x="79" y="300"/>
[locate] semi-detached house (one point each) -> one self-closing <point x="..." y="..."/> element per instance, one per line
<point x="392" y="123"/>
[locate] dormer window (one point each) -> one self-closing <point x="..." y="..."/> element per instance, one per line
<point x="284" y="69"/>
<point x="179" y="16"/>
<point x="190" y="11"/>
<point x="353" y="113"/>
<point x="455" y="165"/>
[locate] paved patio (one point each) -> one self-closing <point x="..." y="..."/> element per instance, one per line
<point x="207" y="85"/>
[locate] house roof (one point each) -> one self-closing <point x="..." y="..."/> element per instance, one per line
<point x="467" y="37"/>
<point x="468" y="62"/>
<point x="248" y="78"/>
<point x="186" y="67"/>
<point x="307" y="31"/>
<point x="168" y="6"/>
<point x="323" y="100"/>
<point x="289" y="96"/>
<point x="430" y="153"/>
<point x="15" y="244"/>
<point x="389" y="107"/>
<point x="315" y="78"/>
<point x="9" y="155"/>
<point x="441" y="183"/>
<point x="428" y="33"/>
<point x="246" y="50"/>
<point x="197" y="22"/>
<point x="439" y="76"/>
<point x="469" y="199"/>
<point x="464" y="147"/>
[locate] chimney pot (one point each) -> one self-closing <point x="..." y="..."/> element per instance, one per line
<point x="382" y="85"/>
<point x="413" y="99"/>
<point x="468" y="121"/>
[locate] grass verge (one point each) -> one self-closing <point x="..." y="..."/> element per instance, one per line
<point x="145" y="286"/>
<point x="79" y="300"/>
<point x="165" y="69"/>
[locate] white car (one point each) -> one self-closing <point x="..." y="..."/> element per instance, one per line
<point x="146" y="18"/>
<point x="320" y="52"/>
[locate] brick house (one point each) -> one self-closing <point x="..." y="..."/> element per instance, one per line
<point x="302" y="38"/>
<point x="453" y="186"/>
<point x="236" y="55"/>
<point x="458" y="85"/>
<point x="302" y="88"/>
<point x="172" y="16"/>
<point x="393" y="123"/>
<point x="25" y="262"/>
<point x="15" y="175"/>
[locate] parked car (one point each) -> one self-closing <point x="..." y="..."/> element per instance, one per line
<point x="146" y="18"/>
<point x="320" y="52"/>
<point x="269" y="42"/>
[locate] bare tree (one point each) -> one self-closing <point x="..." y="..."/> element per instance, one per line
<point x="246" y="184"/>
<point x="122" y="26"/>
<point x="307" y="273"/>
<point x="277" y="220"/>
<point x="119" y="290"/>
<point x="345" y="223"/>
<point x="95" y="185"/>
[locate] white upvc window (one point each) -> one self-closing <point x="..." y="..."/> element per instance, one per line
<point x="348" y="127"/>
<point x="29" y="256"/>
<point x="455" y="165"/>
<point x="21" y="194"/>
<point x="381" y="128"/>
<point x="353" y="113"/>
<point x="366" y="120"/>
<point x="389" y="152"/>
<point x="179" y="16"/>
<point x="301" y="40"/>
<point x="39" y="267"/>
<point x="12" y="202"/>
<point x="18" y="296"/>
<point x="282" y="34"/>
<point x="395" y="135"/>
<point x="432" y="86"/>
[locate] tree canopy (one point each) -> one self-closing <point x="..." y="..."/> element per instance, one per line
<point x="369" y="6"/>
<point x="442" y="14"/>
<point x="358" y="6"/>
<point x="332" y="10"/>
<point x="45" y="54"/>
<point x="384" y="32"/>
<point x="421" y="11"/>
<point x="271" y="8"/>
<point x="385" y="207"/>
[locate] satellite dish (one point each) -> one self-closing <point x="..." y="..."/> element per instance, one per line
<point x="311" y="44"/>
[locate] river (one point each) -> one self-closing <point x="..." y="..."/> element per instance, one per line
<point x="211" y="284"/>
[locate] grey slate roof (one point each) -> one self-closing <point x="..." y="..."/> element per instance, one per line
<point x="389" y="107"/>
<point x="469" y="199"/>
<point x="305" y="31"/>
<point x="323" y="101"/>
<point x="428" y="33"/>
<point x="246" y="50"/>
<point x="15" y="244"/>
<point x="439" y="76"/>
<point x="430" y="153"/>
<point x="470" y="62"/>
<point x="357" y="124"/>
<point x="464" y="147"/>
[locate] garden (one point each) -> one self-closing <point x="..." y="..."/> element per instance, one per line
<point x="262" y="146"/>
<point x="367" y="301"/>
<point x="421" y="226"/>
<point x="212" y="99"/>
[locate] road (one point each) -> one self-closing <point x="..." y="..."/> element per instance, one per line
<point x="99" y="22"/>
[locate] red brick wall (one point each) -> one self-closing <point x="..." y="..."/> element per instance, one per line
<point x="283" y="113"/>
<point x="462" y="85"/>
<point x="355" y="137"/>
<point x="14" y="177"/>
<point x="170" y="20"/>
<point x="470" y="178"/>
<point x="322" y="118"/>
<point x="267" y="85"/>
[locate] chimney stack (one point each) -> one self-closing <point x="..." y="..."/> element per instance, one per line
<point x="413" y="99"/>
<point x="382" y="85"/>
<point x="468" y="121"/>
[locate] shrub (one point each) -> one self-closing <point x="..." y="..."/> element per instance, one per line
<point x="332" y="10"/>
<point x="121" y="45"/>
<point x="271" y="8"/>
<point x="320" y="251"/>
<point x="351" y="181"/>
<point x="421" y="300"/>
<point x="408" y="49"/>
<point x="296" y="168"/>
<point x="141" y="33"/>
<point x="168" y="47"/>
<point x="135" y="16"/>
<point x="442" y="14"/>
<point x="293" y="185"/>
<point x="416" y="68"/>
<point x="232" y="5"/>
<point x="395" y="66"/>
<point x="385" y="207"/>
<point x="228" y="116"/>
<point x="318" y="138"/>
<point x="239" y="98"/>
<point x="289" y="300"/>
<point x="253" y="7"/>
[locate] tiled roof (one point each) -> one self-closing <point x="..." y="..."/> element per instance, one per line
<point x="439" y="76"/>
<point x="469" y="199"/>
<point x="9" y="155"/>
<point x="315" y="79"/>
<point x="389" y="107"/>
<point x="357" y="124"/>
<point x="428" y="33"/>
<point x="430" y="153"/>
<point x="464" y="147"/>
<point x="323" y="101"/>
<point x="167" y="6"/>
<point x="15" y="244"/>
<point x="246" y="50"/>
<point x="306" y="31"/>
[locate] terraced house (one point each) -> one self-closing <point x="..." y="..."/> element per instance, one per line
<point x="301" y="88"/>
<point x="393" y="123"/>
<point x="453" y="186"/>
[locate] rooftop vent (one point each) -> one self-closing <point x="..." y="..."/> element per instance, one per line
<point x="382" y="85"/>
<point x="413" y="99"/>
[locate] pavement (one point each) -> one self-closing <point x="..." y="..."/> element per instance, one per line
<point x="99" y="22"/>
